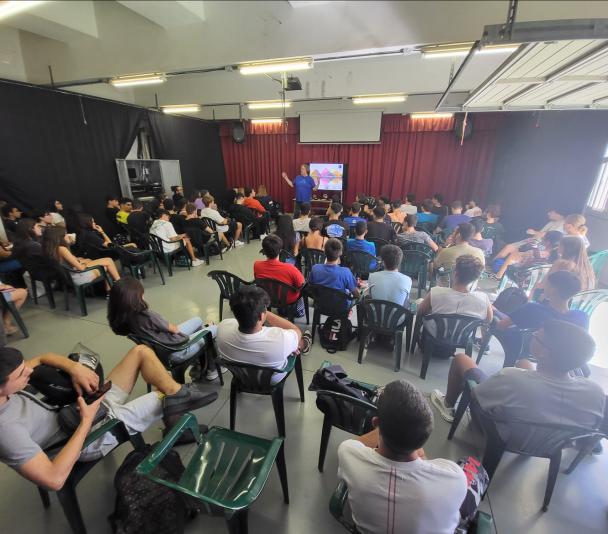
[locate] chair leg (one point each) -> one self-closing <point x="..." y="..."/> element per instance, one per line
<point x="426" y="358"/>
<point x="50" y="296"/>
<point x="282" y="468"/>
<point x="34" y="290"/>
<point x="300" y="377"/>
<point x="221" y="308"/>
<point x="81" y="301"/>
<point x="44" y="497"/>
<point x="71" y="509"/>
<point x="237" y="523"/>
<point x="306" y="309"/>
<point x="465" y="400"/>
<point x="362" y="342"/>
<point x="584" y="451"/>
<point x="485" y="341"/>
<point x="279" y="409"/>
<point x="168" y="264"/>
<point x="233" y="397"/>
<point x="325" y="433"/>
<point x="315" y="322"/>
<point x="492" y="456"/>
<point x="18" y="319"/>
<point x="409" y="326"/>
<point x="554" y="464"/>
<point x="156" y="263"/>
<point x="397" y="350"/>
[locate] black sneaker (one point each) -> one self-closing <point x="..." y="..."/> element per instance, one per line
<point x="188" y="398"/>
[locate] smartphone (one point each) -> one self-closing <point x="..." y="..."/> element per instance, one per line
<point x="92" y="397"/>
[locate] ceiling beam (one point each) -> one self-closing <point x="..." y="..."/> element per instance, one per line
<point x="167" y="14"/>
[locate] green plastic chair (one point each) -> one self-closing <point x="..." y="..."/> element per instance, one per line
<point x="80" y="289"/>
<point x="532" y="276"/>
<point x="588" y="301"/>
<point x="415" y="264"/>
<point x="598" y="261"/>
<point x="227" y="471"/>
<point x="156" y="244"/>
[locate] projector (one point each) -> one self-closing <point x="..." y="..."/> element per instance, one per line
<point x="293" y="83"/>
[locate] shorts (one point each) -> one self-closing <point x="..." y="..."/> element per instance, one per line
<point x="85" y="277"/>
<point x="478" y="376"/>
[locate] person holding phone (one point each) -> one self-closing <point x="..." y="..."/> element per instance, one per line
<point x="304" y="184"/>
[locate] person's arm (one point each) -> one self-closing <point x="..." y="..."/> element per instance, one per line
<point x="106" y="239"/>
<point x="431" y="243"/>
<point x="490" y="314"/>
<point x="70" y="259"/>
<point x="52" y="474"/>
<point x="274" y="320"/>
<point x="504" y="323"/>
<point x="83" y="378"/>
<point x="424" y="308"/>
<point x="173" y="328"/>
<point x="316" y="183"/>
<point x="286" y="178"/>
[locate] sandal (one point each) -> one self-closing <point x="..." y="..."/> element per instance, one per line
<point x="306" y="342"/>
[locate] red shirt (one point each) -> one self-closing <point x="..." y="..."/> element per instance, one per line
<point x="254" y="204"/>
<point x="283" y="272"/>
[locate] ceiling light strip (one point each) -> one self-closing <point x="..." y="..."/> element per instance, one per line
<point x="138" y="79"/>
<point x="181" y="108"/>
<point x="276" y="65"/>
<point x="431" y="115"/>
<point x="269" y="120"/>
<point x="379" y="99"/>
<point x="268" y="105"/>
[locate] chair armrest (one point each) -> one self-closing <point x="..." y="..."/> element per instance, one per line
<point x="99" y="432"/>
<point x="186" y="344"/>
<point x="337" y="502"/>
<point x="291" y="362"/>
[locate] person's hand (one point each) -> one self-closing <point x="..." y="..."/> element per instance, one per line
<point x="84" y="379"/>
<point x="88" y="411"/>
<point x="530" y="231"/>
<point x="284" y="174"/>
<point x="98" y="228"/>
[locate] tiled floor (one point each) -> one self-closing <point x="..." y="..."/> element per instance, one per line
<point x="580" y="501"/>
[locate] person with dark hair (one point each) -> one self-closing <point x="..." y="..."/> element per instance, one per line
<point x="314" y="239"/>
<point x="57" y="212"/>
<point x="302" y="223"/>
<point x="549" y="394"/>
<point x="397" y="214"/>
<point x="461" y="247"/>
<point x="304" y="185"/>
<point x="360" y="198"/>
<point x="355" y="215"/>
<point x="178" y="193"/>
<point x="138" y="219"/>
<point x="426" y="215"/>
<point x="360" y="243"/>
<point x="163" y="228"/>
<point x="28" y="428"/>
<point x="368" y="208"/>
<point x="473" y="210"/>
<point x="459" y="298"/>
<point x="259" y="211"/>
<point x="28" y="238"/>
<point x="330" y="273"/>
<point x="334" y="227"/>
<point x="198" y="231"/>
<point x="246" y="339"/>
<point x="408" y="207"/>
<point x="111" y="210"/>
<point x="224" y="226"/>
<point x="125" y="207"/>
<point x="439" y="208"/>
<point x="478" y="240"/>
<point x="411" y="235"/>
<point x="42" y="217"/>
<point x="289" y="238"/>
<point x="450" y="222"/>
<point x="10" y="217"/>
<point x="246" y="216"/>
<point x="91" y="236"/>
<point x="390" y="481"/>
<point x="390" y="284"/>
<point x="379" y="228"/>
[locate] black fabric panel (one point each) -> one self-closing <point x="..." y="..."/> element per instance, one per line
<point x="57" y="145"/>
<point x="546" y="160"/>
<point x="196" y="144"/>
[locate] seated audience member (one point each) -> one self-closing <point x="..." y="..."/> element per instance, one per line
<point x="10" y="217"/>
<point x="246" y="216"/>
<point x="302" y="223"/>
<point x="385" y="206"/>
<point x="17" y="296"/>
<point x="91" y="237"/>
<point x="458" y="299"/>
<point x="493" y="228"/>
<point x="548" y="394"/>
<point x="198" y="199"/>
<point x="461" y="247"/>
<point x="178" y="193"/>
<point x="378" y="228"/>
<point x="8" y="261"/>
<point x="276" y="270"/>
<point x="408" y="206"/>
<point x="439" y="208"/>
<point x="368" y="209"/>
<point x="390" y="481"/>
<point x="176" y="218"/>
<point x="573" y="257"/>
<point x="330" y="273"/>
<point x="262" y="195"/>
<point x="125" y="207"/>
<point x="252" y="203"/>
<point x="411" y="235"/>
<point x="42" y="217"/>
<point x="138" y="219"/>
<point x="56" y="247"/>
<point x="559" y="288"/>
<point x="450" y="222"/>
<point x="574" y="225"/>
<point x="57" y="213"/>
<point x="245" y="339"/>
<point x="478" y="240"/>
<point x="426" y="215"/>
<point x="28" y="238"/>
<point x="289" y="239"/>
<point x="473" y="210"/>
<point x="162" y="228"/>
<point x="28" y="428"/>
<point x="360" y="243"/>
<point x="355" y="215"/>
<point x="224" y="226"/>
<point x="197" y="230"/>
<point x="334" y="227"/>
<point x="397" y="214"/>
<point x="314" y="239"/>
<point x="390" y="284"/>
<point x="111" y="210"/>
<point x="129" y="313"/>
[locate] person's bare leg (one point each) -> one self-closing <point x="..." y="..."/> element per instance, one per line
<point x="108" y="264"/>
<point x="459" y="366"/>
<point x="524" y="363"/>
<point x="224" y="239"/>
<point x="189" y="249"/>
<point x="514" y="257"/>
<point x="239" y="229"/>
<point x="506" y="250"/>
<point x="142" y="360"/>
<point x="18" y="297"/>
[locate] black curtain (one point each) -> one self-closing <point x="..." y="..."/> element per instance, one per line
<point x="546" y="160"/>
<point x="55" y="145"/>
<point x="196" y="144"/>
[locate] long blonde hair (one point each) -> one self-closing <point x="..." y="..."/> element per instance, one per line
<point x="573" y="257"/>
<point x="577" y="222"/>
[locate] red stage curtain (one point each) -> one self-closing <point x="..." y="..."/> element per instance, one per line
<point x="419" y="156"/>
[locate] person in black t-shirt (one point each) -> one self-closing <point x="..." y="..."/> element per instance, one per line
<point x="245" y="215"/>
<point x="438" y="208"/>
<point x="378" y="228"/>
<point x="334" y="227"/>
<point x="112" y="207"/>
<point x="139" y="219"/>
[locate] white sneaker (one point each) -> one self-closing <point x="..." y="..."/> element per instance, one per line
<point x="239" y="244"/>
<point x="262" y="236"/>
<point x="224" y="249"/>
<point x="197" y="263"/>
<point x="211" y="374"/>
<point x="438" y="400"/>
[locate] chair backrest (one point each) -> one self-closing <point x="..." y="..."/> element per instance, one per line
<point x="414" y="263"/>
<point x="42" y="267"/>
<point x="312" y="257"/>
<point x="384" y="316"/>
<point x="427" y="227"/>
<point x="378" y="242"/>
<point x="210" y="223"/>
<point x="421" y="247"/>
<point x="156" y="244"/>
<point x="162" y="352"/>
<point x="360" y="261"/>
<point x="229" y="283"/>
<point x="397" y="226"/>
<point x="250" y="378"/>
<point x="588" y="301"/>
<point x="454" y="330"/>
<point x="530" y="278"/>
<point x="598" y="260"/>
<point x="285" y="255"/>
<point x="277" y="291"/>
<point x="329" y="301"/>
<point x="346" y="412"/>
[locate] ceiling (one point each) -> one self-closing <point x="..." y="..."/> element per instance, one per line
<point x="85" y="41"/>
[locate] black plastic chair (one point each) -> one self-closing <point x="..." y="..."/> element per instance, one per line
<point x="452" y="331"/>
<point x="44" y="270"/>
<point x="331" y="302"/>
<point x="216" y="235"/>
<point x="202" y="241"/>
<point x="228" y="283"/>
<point x="257" y="380"/>
<point x="247" y="231"/>
<point x="80" y="289"/>
<point x="427" y="227"/>
<point x="421" y="247"/>
<point x="156" y="243"/>
<point x="285" y="255"/>
<point x="359" y="262"/>
<point x="12" y="309"/>
<point x="385" y="318"/>
<point x="344" y="412"/>
<point x="379" y="243"/>
<point x="135" y="262"/>
<point x="525" y="335"/>
<point x="278" y="292"/>
<point x="527" y="438"/>
<point x="311" y="257"/>
<point x="415" y="264"/>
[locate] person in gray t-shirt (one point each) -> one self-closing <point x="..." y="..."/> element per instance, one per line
<point x="390" y="284"/>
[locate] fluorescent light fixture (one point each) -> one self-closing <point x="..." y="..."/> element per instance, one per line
<point x="182" y="108"/>
<point x="446" y="50"/>
<point x="12" y="7"/>
<point x="138" y="79"/>
<point x="379" y="99"/>
<point x="273" y="120"/>
<point x="498" y="49"/>
<point x="276" y="65"/>
<point x="270" y="104"/>
<point x="430" y="115"/>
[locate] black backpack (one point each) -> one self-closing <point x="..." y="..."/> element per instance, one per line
<point x="334" y="378"/>
<point x="146" y="506"/>
<point x="335" y="334"/>
<point x="510" y="299"/>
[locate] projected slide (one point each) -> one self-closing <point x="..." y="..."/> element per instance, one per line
<point x="329" y="175"/>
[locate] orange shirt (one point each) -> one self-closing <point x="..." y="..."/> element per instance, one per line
<point x="397" y="216"/>
<point x="254" y="204"/>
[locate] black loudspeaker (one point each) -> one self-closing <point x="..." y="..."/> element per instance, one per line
<point x="459" y="125"/>
<point x="238" y="132"/>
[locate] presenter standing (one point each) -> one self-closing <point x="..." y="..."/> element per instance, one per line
<point x="304" y="185"/>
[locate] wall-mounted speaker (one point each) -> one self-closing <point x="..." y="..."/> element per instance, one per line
<point x="238" y="132"/>
<point x="459" y="125"/>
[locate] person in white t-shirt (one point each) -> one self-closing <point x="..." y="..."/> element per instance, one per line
<point x="223" y="225"/>
<point x="392" y="486"/>
<point x="163" y="228"/>
<point x="302" y="223"/>
<point x="245" y="339"/>
<point x="408" y="206"/>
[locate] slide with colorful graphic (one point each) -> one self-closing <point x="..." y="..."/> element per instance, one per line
<point x="329" y="175"/>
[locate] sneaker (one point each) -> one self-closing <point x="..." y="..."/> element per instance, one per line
<point x="239" y="244"/>
<point x="438" y="400"/>
<point x="262" y="236"/>
<point x="224" y="249"/>
<point x="211" y="375"/>
<point x="306" y="342"/>
<point x="188" y="398"/>
<point x="197" y="263"/>
<point x="187" y="437"/>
